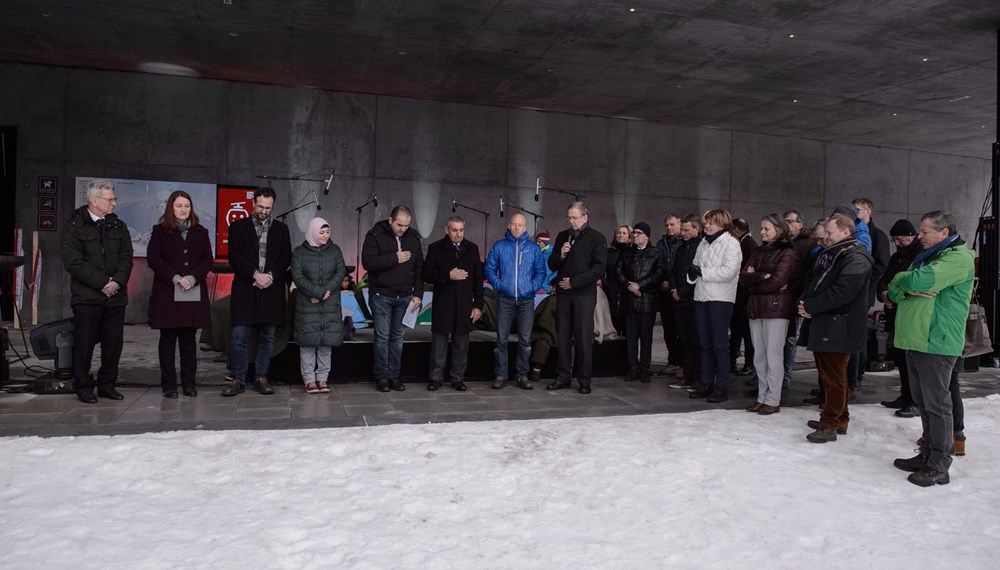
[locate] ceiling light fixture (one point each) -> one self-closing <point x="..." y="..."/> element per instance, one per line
<point x="894" y="114"/>
<point x="631" y="9"/>
<point x="44" y="15"/>
<point x="227" y="2"/>
<point x="795" y="100"/>
<point x="791" y="35"/>
<point x="401" y="52"/>
<point x="234" y="34"/>
<point x="550" y="70"/>
<point x="925" y="59"/>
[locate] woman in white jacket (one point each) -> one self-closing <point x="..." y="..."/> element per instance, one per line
<point x="715" y="273"/>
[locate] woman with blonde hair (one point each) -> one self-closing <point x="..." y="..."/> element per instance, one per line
<point x="714" y="273"/>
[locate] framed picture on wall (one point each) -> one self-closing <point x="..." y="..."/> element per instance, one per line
<point x="46" y="203"/>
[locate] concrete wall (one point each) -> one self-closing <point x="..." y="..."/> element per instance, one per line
<point x="75" y="122"/>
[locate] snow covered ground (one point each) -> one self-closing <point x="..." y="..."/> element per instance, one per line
<point x="715" y="489"/>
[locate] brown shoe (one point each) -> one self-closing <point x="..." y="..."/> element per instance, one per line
<point x="755" y="407"/>
<point x="815" y="425"/>
<point x="499" y="383"/>
<point x="822" y="435"/>
<point x="766" y="410"/>
<point x="524" y="384"/>
<point x="324" y="388"/>
<point x="311" y="388"/>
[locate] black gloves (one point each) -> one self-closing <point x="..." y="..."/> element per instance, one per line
<point x="694" y="272"/>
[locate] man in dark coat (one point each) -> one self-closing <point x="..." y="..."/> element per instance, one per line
<point x="739" y="324"/>
<point x="452" y="265"/>
<point x="683" y="294"/>
<point x="393" y="257"/>
<point x="668" y="244"/>
<point x="904" y="235"/>
<point x="260" y="252"/>
<point x="836" y="305"/>
<point x="97" y="253"/>
<point x="880" y="259"/>
<point x="803" y="242"/>
<point x="639" y="271"/>
<point x="579" y="258"/>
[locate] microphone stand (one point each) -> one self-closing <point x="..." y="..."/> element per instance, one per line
<point x="533" y="214"/>
<point x="357" y="258"/>
<point x="285" y="215"/>
<point x="486" y="222"/>
<point x="576" y="196"/>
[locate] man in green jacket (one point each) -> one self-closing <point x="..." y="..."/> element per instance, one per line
<point x="933" y="305"/>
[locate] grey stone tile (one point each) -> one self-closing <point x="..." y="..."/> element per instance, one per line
<point x="262" y="413"/>
<point x="44" y="404"/>
<point x="369" y="410"/>
<point x="91" y="414"/>
<point x="143" y="417"/>
<point x="318" y="409"/>
<point x="478" y="406"/>
<point x="367" y="399"/>
<point x="15" y="420"/>
<point x="206" y="413"/>
<point x="420" y="406"/>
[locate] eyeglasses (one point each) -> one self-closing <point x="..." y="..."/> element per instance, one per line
<point x="111" y="200"/>
<point x="574" y="218"/>
<point x="792" y="221"/>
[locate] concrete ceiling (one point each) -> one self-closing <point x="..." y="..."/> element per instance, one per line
<point x="913" y="74"/>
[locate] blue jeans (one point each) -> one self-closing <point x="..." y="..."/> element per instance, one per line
<point x="238" y="362"/>
<point x="387" y="312"/>
<point x="507" y="310"/>
<point x="713" y="319"/>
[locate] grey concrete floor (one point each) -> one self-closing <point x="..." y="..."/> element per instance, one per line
<point x="359" y="404"/>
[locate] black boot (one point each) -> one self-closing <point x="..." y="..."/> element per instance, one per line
<point x="702" y="391"/>
<point x="718" y="395"/>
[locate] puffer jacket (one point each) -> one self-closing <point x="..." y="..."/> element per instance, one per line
<point x="770" y="298"/>
<point x="648" y="268"/>
<point x="92" y="255"/>
<point x="316" y="270"/>
<point x="719" y="260"/>
<point x="935" y="325"/>
<point x="515" y="267"/>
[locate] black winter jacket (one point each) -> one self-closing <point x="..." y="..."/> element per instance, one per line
<point x="386" y="275"/>
<point x="837" y="299"/>
<point x="584" y="264"/>
<point x="648" y="268"/>
<point x="682" y="261"/>
<point x="898" y="262"/>
<point x="92" y="255"/>
<point x="610" y="283"/>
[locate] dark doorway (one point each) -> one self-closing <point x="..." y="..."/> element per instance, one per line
<point x="8" y="197"/>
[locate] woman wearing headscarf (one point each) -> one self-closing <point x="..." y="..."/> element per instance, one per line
<point x="180" y="255"/>
<point x="770" y="307"/>
<point x="715" y="272"/>
<point x="317" y="270"/>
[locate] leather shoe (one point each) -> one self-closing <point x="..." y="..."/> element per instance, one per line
<point x="585" y="388"/>
<point x="111" y="394"/>
<point x="87" y="397"/>
<point x="814" y="424"/>
<point x="382" y="385"/>
<point x="191" y="393"/>
<point x="397" y="384"/>
<point x="433" y="386"/>
<point x="460" y="386"/>
<point x="557" y="385"/>
<point x="170" y="395"/>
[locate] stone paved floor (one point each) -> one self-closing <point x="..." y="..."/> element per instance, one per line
<point x="359" y="404"/>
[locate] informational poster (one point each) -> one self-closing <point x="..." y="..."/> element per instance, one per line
<point x="234" y="203"/>
<point x="141" y="203"/>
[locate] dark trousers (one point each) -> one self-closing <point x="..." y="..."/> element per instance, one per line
<point x="856" y="368"/>
<point x="93" y="324"/>
<point x="639" y="339"/>
<point x="441" y="348"/>
<point x="932" y="377"/>
<point x="832" y="370"/>
<point x="169" y="339"/>
<point x="713" y="319"/>
<point x="687" y="331"/>
<point x="739" y="333"/>
<point x="671" y="336"/>
<point x="575" y="329"/>
<point x="898" y="356"/>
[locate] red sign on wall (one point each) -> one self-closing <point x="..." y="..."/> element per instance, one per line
<point x="232" y="203"/>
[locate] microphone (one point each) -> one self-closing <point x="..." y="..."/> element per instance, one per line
<point x="573" y="236"/>
<point x="501" y="206"/>
<point x="316" y="199"/>
<point x="453" y="202"/>
<point x="328" y="182"/>
<point x="538" y="187"/>
<point x="375" y="200"/>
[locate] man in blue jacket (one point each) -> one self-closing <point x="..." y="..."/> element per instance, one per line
<point x="515" y="267"/>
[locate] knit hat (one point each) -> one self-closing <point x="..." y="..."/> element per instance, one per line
<point x="643" y="227"/>
<point x="544" y="236"/>
<point x="848" y="210"/>
<point x="902" y="228"/>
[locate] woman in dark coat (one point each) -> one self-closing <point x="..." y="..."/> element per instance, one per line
<point x="770" y="307"/>
<point x="180" y="255"/>
<point x="616" y="298"/>
<point x="317" y="270"/>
